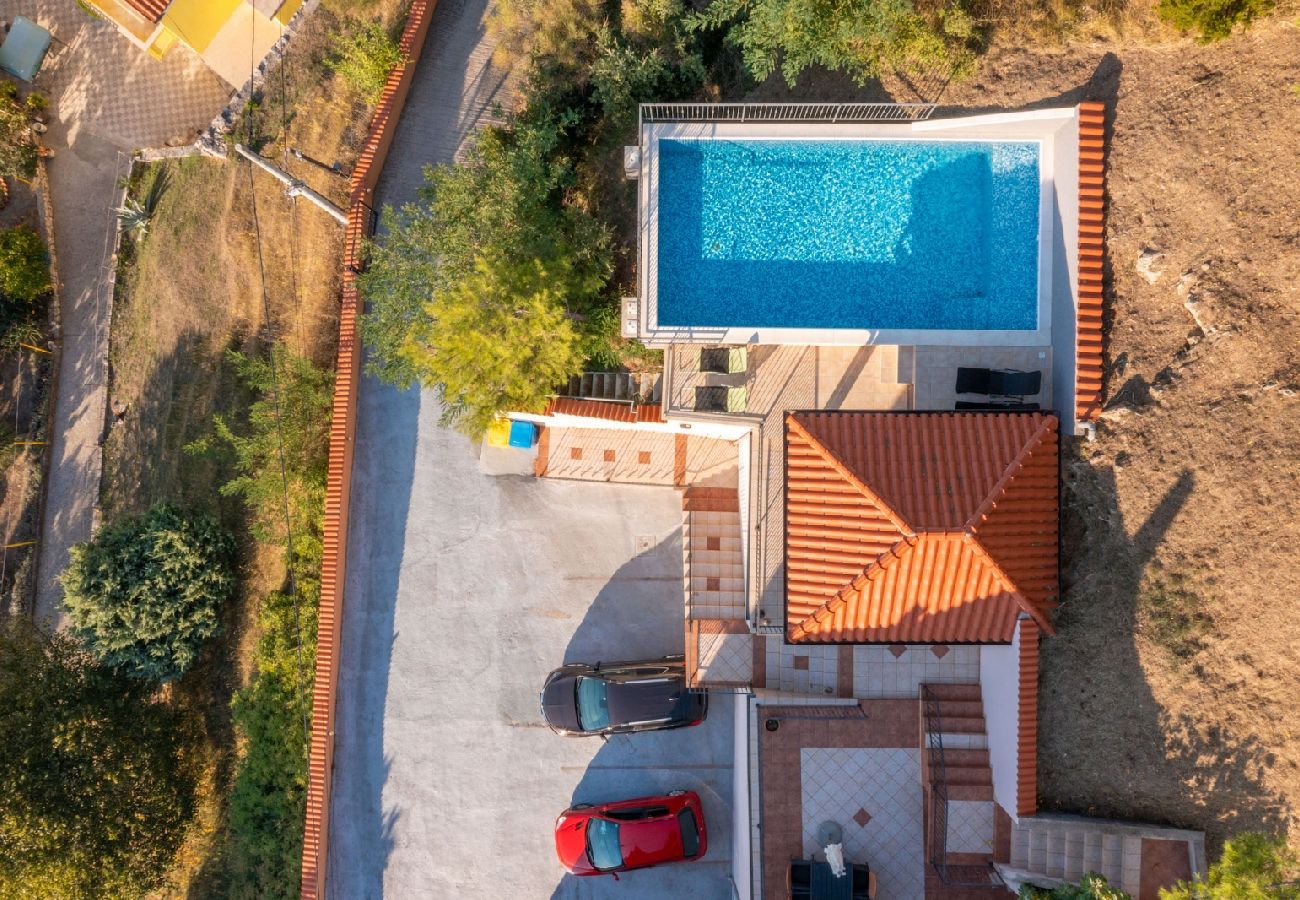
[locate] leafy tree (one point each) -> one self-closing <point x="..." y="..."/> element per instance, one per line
<point x="859" y="37"/>
<point x="365" y="57"/>
<point x="499" y="339"/>
<point x="496" y="223"/>
<point x="1252" y="867"/>
<point x="1091" y="887"/>
<point x="94" y="785"/>
<point x="18" y="151"/>
<point x="144" y="594"/>
<point x="297" y="424"/>
<point x="24" y="271"/>
<point x="1212" y="20"/>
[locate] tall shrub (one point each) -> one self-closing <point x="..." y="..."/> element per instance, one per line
<point x="94" y="787"/>
<point x="145" y="594"/>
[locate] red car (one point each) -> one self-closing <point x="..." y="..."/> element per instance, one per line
<point x="631" y="834"/>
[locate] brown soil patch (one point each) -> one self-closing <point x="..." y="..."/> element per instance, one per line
<point x="1168" y="693"/>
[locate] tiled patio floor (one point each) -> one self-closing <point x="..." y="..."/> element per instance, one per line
<point x="895" y="671"/>
<point x="875" y="796"/>
<point x="885" y="727"/>
<point x="936" y="372"/>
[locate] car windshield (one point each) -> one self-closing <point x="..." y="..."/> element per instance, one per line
<point x="593" y="704"/>
<point x="602" y="844"/>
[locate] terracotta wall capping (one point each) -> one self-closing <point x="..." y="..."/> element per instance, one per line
<point x="1089" y="335"/>
<point x="365" y="176"/>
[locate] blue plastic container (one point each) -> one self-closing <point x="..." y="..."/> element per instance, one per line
<point x="522" y="434"/>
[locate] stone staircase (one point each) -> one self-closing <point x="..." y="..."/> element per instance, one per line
<point x="965" y="743"/>
<point x="1066" y="850"/>
<point x="628" y="387"/>
<point x="711" y="547"/>
<point x="960" y="833"/>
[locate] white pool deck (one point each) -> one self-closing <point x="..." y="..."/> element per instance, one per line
<point x="1056" y="131"/>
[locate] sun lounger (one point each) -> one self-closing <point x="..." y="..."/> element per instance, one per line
<point x="999" y="382"/>
<point x="991" y="406"/>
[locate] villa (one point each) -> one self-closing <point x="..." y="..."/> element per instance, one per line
<point x="869" y="522"/>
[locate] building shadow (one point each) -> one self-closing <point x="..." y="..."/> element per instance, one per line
<point x="1107" y="747"/>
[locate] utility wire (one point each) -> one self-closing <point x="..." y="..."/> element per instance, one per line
<point x="275" y="387"/>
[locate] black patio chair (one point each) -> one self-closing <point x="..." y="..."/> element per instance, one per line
<point x="999" y="382"/>
<point x="972" y="406"/>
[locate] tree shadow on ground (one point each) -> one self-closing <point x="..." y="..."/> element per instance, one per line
<point x="1107" y="747"/>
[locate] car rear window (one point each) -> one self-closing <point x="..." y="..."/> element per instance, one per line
<point x="602" y="844"/>
<point x="690" y="832"/>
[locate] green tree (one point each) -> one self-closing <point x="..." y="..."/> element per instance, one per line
<point x="499" y="339"/>
<point x="497" y="221"/>
<point x="24" y="273"/>
<point x="364" y="58"/>
<point x="94" y="785"/>
<point x="862" y="38"/>
<point x="295" y="424"/>
<point x="18" y="151"/>
<point x="1090" y="887"/>
<point x="145" y="594"/>
<point x="1252" y="867"/>
<point x="1211" y="20"/>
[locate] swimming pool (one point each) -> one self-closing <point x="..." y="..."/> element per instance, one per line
<point x="848" y="234"/>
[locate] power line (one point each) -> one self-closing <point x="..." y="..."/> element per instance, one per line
<point x="275" y="385"/>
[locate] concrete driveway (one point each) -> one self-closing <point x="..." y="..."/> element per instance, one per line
<point x="463" y="592"/>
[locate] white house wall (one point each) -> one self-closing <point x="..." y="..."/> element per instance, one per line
<point x="1000" y="690"/>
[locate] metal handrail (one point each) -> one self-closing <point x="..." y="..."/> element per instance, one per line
<point x="968" y="876"/>
<point x="785" y="112"/>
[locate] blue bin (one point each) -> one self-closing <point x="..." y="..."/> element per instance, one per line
<point x="522" y="434"/>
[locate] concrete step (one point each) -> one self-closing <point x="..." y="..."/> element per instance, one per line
<point x="965" y="724"/>
<point x="970" y="792"/>
<point x="960" y="709"/>
<point x="963" y="740"/>
<point x="976" y="775"/>
<point x="955" y="691"/>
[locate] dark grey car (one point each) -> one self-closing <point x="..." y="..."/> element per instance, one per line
<point x="617" y="698"/>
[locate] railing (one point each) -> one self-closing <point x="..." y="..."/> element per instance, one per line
<point x="952" y="875"/>
<point x="785" y="112"/>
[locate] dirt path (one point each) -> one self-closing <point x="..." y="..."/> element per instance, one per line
<point x="107" y="97"/>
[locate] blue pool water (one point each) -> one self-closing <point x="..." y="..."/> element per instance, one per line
<point x="848" y="234"/>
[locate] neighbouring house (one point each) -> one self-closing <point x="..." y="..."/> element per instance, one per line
<point x="870" y="551"/>
<point x="226" y="34"/>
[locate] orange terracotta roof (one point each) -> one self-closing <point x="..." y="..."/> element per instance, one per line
<point x="1027" y="712"/>
<point x="1092" y="235"/>
<point x="151" y="9"/>
<point x="919" y="528"/>
<point x="600" y="409"/>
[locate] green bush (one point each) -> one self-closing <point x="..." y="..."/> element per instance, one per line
<point x="1211" y="20"/>
<point x="1252" y="867"/>
<point x="1091" y="887"/>
<point x="254" y="448"/>
<point x="95" y="789"/>
<point x="862" y="38"/>
<point x="145" y="594"/>
<point x="24" y="274"/>
<point x="363" y="58"/>
<point x="18" y="151"/>
<point x="268" y="798"/>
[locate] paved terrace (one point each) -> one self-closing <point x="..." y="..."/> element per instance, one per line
<point x="777" y="379"/>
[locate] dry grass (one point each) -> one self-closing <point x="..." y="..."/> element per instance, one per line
<point x="1168" y="694"/>
<point x="191" y="290"/>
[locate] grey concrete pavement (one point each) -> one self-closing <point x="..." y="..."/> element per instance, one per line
<point x="463" y="591"/>
<point x="107" y="97"/>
